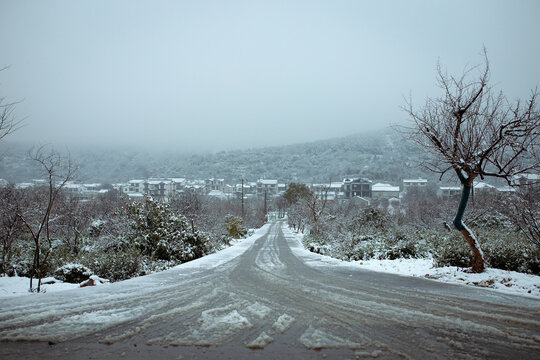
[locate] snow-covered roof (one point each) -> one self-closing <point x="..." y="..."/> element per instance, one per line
<point x="218" y="194"/>
<point x="528" y="176"/>
<point x="136" y="181"/>
<point x="268" y="182"/>
<point x="363" y="180"/>
<point x="384" y="187"/>
<point x="178" y="180"/>
<point x="71" y="185"/>
<point x="506" y="189"/>
<point x="135" y="195"/>
<point x="450" y="188"/>
<point x="483" y="185"/>
<point x="415" y="181"/>
<point x="157" y="182"/>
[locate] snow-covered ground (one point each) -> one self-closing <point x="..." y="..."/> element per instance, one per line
<point x="17" y="286"/>
<point x="270" y="294"/>
<point x="505" y="281"/>
<point x="510" y="282"/>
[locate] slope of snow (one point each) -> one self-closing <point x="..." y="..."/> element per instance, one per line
<point x="510" y="282"/>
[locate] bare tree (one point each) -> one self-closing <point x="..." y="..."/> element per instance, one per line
<point x="8" y="121"/>
<point x="314" y="205"/>
<point x="476" y="132"/>
<point x="38" y="219"/>
<point x="525" y="212"/>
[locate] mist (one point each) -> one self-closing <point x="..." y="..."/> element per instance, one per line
<point x="207" y="76"/>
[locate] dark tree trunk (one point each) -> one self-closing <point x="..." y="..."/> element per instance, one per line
<point x="478" y="257"/>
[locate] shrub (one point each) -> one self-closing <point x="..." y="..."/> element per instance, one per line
<point x="370" y="218"/>
<point x="449" y="249"/>
<point x="73" y="273"/>
<point x="114" y="265"/>
<point x="511" y="251"/>
<point x="234" y="227"/>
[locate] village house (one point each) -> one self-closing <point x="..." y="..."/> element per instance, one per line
<point x="135" y="186"/>
<point x="384" y="191"/>
<point x="414" y="184"/>
<point x="214" y="184"/>
<point x="268" y="187"/>
<point x="448" y="191"/>
<point x="481" y="187"/>
<point x="526" y="179"/>
<point x="357" y="187"/>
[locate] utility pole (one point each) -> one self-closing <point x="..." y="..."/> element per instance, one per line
<point x="242" y="198"/>
<point x="265" y="197"/>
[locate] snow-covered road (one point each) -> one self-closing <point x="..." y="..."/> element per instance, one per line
<point x="266" y="297"/>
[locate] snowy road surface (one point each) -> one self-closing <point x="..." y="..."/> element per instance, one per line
<point x="264" y="298"/>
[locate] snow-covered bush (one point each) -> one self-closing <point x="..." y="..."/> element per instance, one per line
<point x="317" y="243"/>
<point x="510" y="251"/>
<point x="370" y="219"/>
<point x="234" y="227"/>
<point x="487" y="220"/>
<point x="448" y="249"/>
<point x="73" y="273"/>
<point x="115" y="263"/>
<point x="160" y="234"/>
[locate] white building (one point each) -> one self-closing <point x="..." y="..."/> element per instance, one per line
<point x="449" y="191"/>
<point x="135" y="186"/>
<point x="482" y="187"/>
<point x="268" y="187"/>
<point x="384" y="191"/>
<point x="214" y="184"/>
<point x="414" y="183"/>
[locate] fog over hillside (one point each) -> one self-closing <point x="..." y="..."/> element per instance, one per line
<point x="380" y="156"/>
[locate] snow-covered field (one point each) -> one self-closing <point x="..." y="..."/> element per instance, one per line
<point x="510" y="282"/>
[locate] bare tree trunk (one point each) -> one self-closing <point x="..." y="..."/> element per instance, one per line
<point x="478" y="265"/>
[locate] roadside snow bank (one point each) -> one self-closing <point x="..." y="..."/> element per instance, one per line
<point x="510" y="282"/>
<point x="16" y="285"/>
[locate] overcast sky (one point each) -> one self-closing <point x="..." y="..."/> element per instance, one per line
<point x="217" y="75"/>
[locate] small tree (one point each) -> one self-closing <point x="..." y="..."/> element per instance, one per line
<point x="161" y="234"/>
<point x="235" y="227"/>
<point x="296" y="192"/>
<point x="475" y="132"/>
<point x="37" y="218"/>
<point x="296" y="195"/>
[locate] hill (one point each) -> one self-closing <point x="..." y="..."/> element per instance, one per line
<point x="380" y="156"/>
